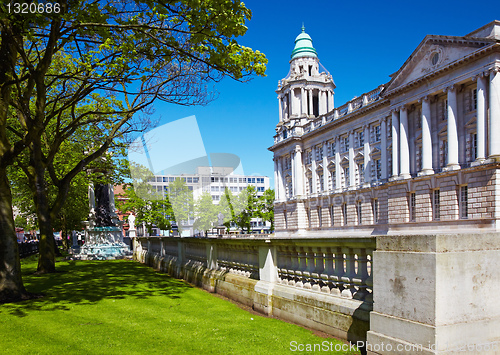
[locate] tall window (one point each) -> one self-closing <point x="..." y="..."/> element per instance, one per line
<point x="346" y="176"/>
<point x="378" y="169"/>
<point x="361" y="138"/>
<point x="310" y="185"/>
<point x="445" y="153"/>
<point x="473" y="146"/>
<point x="436" y="205"/>
<point x="375" y="210"/>
<point x="377" y="133"/>
<point x="474" y="99"/>
<point x="332" y="221"/>
<point x="359" y="211"/>
<point x="333" y="179"/>
<point x="412" y="205"/>
<point x="321" y="183"/>
<point x="346" y="144"/>
<point x="344" y="213"/>
<point x="462" y="202"/>
<point x="320" y="220"/>
<point x="361" y="175"/>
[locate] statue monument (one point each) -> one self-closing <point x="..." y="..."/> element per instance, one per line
<point x="103" y="230"/>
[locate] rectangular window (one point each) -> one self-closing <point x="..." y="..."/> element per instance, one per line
<point x="436" y="205"/>
<point x="445" y="153"/>
<point x="165" y="179"/>
<point x="189" y="180"/>
<point x="344" y="213"/>
<point x="361" y="138"/>
<point x="310" y="185"/>
<point x="473" y="146"/>
<point x="332" y="221"/>
<point x="346" y="175"/>
<point x="333" y="179"/>
<point x="412" y="205"/>
<point x="346" y="144"/>
<point x="377" y="133"/>
<point x="359" y="212"/>
<point x="332" y="149"/>
<point x="474" y="98"/>
<point x="378" y="169"/>
<point x="195" y="180"/>
<point x="321" y="183"/>
<point x="462" y="202"/>
<point x="375" y="210"/>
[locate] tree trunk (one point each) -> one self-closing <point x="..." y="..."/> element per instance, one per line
<point x="11" y="283"/>
<point x="46" y="259"/>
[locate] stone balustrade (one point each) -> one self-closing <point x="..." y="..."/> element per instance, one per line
<point x="327" y="283"/>
<point x="336" y="270"/>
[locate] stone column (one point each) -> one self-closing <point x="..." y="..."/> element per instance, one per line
<point x="311" y="102"/>
<point x="395" y="144"/>
<point x="280" y="101"/>
<point x="322" y="100"/>
<point x="276" y="182"/>
<point x="299" y="173"/>
<point x="404" y="156"/>
<point x="325" y="166"/>
<point x="303" y="102"/>
<point x="366" y="153"/>
<point x="330" y="100"/>
<point x="91" y="199"/>
<point x="293" y="103"/>
<point x="426" y="138"/>
<point x="383" y="149"/>
<point x="494" y="114"/>
<point x="313" y="168"/>
<point x="452" y="133"/>
<point x="338" y="175"/>
<point x="294" y="175"/>
<point x="281" y="195"/>
<point x="352" y="169"/>
<point x="481" y="118"/>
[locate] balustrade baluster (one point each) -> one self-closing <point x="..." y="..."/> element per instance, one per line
<point x="361" y="274"/>
<point x="320" y="266"/>
<point x="301" y="269"/>
<point x="307" y="274"/>
<point x="327" y="271"/>
<point x="338" y="284"/>
<point x="350" y="273"/>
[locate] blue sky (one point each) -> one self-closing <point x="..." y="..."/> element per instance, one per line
<point x="360" y="43"/>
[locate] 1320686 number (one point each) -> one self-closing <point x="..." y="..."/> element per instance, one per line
<point x="34" y="8"/>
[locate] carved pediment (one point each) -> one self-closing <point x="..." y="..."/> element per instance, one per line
<point x="433" y="54"/>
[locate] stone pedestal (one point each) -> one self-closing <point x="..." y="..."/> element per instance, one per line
<point x="436" y="294"/>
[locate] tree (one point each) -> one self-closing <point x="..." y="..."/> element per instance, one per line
<point x="157" y="213"/>
<point x="266" y="207"/>
<point x="246" y="204"/>
<point x="120" y="57"/>
<point x="226" y="208"/>
<point x="206" y="213"/>
<point x="181" y="198"/>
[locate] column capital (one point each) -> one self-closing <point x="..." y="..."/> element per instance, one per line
<point x="382" y="120"/>
<point x="365" y="127"/>
<point x="403" y="108"/>
<point x="492" y="70"/>
<point x="424" y="98"/>
<point x="451" y="87"/>
<point x="297" y="149"/>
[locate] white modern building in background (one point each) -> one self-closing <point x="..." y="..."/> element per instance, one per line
<point x="214" y="180"/>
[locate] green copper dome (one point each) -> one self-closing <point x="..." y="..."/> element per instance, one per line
<point x="304" y="46"/>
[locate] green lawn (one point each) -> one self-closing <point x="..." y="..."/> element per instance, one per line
<point x="123" y="307"/>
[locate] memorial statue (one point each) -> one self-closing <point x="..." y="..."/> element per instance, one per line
<point x="103" y="213"/>
<point x="131" y="221"/>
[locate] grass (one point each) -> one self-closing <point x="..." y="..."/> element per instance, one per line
<point x="123" y="307"/>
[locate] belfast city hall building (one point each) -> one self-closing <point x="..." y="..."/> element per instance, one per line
<point x="418" y="153"/>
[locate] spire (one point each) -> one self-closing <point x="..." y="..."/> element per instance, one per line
<point x="303" y="46"/>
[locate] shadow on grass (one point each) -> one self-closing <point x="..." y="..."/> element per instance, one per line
<point x="87" y="282"/>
